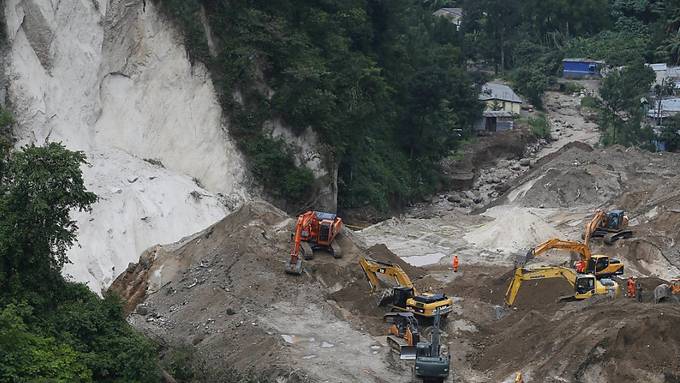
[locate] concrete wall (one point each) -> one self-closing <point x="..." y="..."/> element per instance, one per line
<point x="512" y="107"/>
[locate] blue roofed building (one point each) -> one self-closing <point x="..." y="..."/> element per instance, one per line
<point x="582" y="68"/>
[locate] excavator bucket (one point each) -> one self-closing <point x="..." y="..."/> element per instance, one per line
<point x="402" y="348"/>
<point x="386" y="298"/>
<point x="521" y="260"/>
<point x="294" y="268"/>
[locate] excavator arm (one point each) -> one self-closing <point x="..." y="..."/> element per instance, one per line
<point x="592" y="226"/>
<point x="303" y="228"/>
<point x="522" y="275"/>
<point x="555" y="243"/>
<point x="294" y="265"/>
<point x="372" y="268"/>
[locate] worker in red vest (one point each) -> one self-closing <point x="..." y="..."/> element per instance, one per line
<point x="630" y="287"/>
<point x="455" y="263"/>
<point x="581" y="266"/>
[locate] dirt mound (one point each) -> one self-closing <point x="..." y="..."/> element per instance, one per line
<point x="580" y="175"/>
<point x="570" y="186"/>
<point x="224" y="291"/>
<point x="607" y="341"/>
<point x="513" y="230"/>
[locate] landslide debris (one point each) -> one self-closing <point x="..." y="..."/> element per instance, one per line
<point x="224" y="292"/>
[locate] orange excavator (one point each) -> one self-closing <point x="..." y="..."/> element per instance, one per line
<point x="611" y="226"/>
<point x="314" y="230"/>
<point x="598" y="264"/>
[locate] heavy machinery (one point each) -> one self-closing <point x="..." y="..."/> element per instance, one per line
<point x="585" y="285"/>
<point x="403" y="334"/>
<point x="611" y="226"/>
<point x="598" y="264"/>
<point x="404" y="297"/>
<point x="313" y="230"/>
<point x="431" y="365"/>
<point x="668" y="292"/>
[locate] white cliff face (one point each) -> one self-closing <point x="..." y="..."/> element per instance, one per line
<point x="111" y="78"/>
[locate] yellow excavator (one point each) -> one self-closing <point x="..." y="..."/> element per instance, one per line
<point x="585" y="285"/>
<point x="611" y="226"/>
<point x="599" y="264"/>
<point x="404" y="297"/>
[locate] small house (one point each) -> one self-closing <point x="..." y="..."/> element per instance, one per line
<point x="454" y="15"/>
<point x="582" y="68"/>
<point x="498" y="97"/>
<point x="660" y="71"/>
<point x="495" y="121"/>
<point x="668" y="107"/>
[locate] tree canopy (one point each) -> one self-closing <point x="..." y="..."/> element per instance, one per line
<point x="383" y="84"/>
<point x="51" y="329"/>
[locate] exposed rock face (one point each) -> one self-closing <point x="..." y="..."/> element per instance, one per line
<point x="310" y="152"/>
<point x="111" y="78"/>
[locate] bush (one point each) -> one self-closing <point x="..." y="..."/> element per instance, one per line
<point x="615" y="48"/>
<point x="273" y="163"/>
<point x="572" y="87"/>
<point x="539" y="127"/>
<point x="589" y="102"/>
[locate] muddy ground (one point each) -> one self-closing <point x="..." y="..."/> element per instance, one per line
<point x="223" y="292"/>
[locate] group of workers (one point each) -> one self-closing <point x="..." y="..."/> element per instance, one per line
<point x="634" y="288"/>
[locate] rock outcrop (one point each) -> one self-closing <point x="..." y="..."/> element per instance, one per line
<point x="112" y="78"/>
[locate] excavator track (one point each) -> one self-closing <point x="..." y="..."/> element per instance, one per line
<point x="336" y="250"/>
<point x="610" y="238"/>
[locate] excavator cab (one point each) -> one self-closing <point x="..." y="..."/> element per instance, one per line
<point x="602" y="265"/>
<point x="615" y="219"/>
<point x="401" y="295"/>
<point x="585" y="284"/>
<point x="326" y="221"/>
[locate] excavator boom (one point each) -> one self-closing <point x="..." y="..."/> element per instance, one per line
<point x="585" y="285"/>
<point x="592" y="226"/>
<point x="372" y="268"/>
<point x="404" y="296"/>
<point x="600" y="265"/>
<point x="558" y="244"/>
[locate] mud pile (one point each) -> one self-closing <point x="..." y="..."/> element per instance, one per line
<point x="601" y="342"/>
<point x="224" y="291"/>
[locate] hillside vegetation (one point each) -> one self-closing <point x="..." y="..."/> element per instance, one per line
<point x="525" y="41"/>
<point x="381" y="82"/>
<point x="53" y="330"/>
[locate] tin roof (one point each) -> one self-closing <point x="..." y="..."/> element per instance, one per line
<point x="494" y="91"/>
<point x="583" y="60"/>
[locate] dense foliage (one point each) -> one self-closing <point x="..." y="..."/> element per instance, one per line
<point x="51" y="329"/>
<point x="525" y="40"/>
<point x="622" y="112"/>
<point x="381" y="82"/>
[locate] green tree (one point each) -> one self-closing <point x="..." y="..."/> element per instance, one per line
<point x="669" y="133"/>
<point x="39" y="186"/>
<point x="621" y="112"/>
<point x="50" y="329"/>
<point x="28" y="357"/>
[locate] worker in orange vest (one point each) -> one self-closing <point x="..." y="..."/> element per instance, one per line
<point x="455" y="263"/>
<point x="630" y="290"/>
